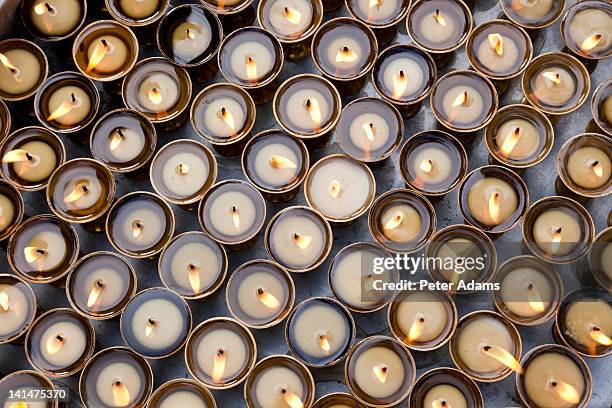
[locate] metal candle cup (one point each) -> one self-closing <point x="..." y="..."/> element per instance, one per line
<point x="411" y="81"/>
<point x="265" y="51"/>
<point x="599" y="259"/>
<point x="100" y="285"/>
<point x="295" y="37"/>
<point x="335" y="399"/>
<point x="601" y="108"/>
<point x="142" y="18"/>
<point x="344" y="50"/>
<point x="234" y="14"/>
<point x="21" y="301"/>
<point x="11" y="210"/>
<point x="445" y="376"/>
<point x="5" y="120"/>
<point x="223" y="114"/>
<point x="172" y="391"/>
<point x="54" y="331"/>
<point x="46" y="21"/>
<point x="24" y="380"/>
<point x="382" y="22"/>
<point x="24" y="63"/>
<point x="43" y="249"/>
<point x="532" y="16"/>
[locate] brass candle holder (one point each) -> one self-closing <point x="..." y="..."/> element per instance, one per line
<point x="425" y="391"/>
<point x="27" y="70"/>
<point x="12" y="209"/>
<point x="601" y="108"/>
<point x="21" y="299"/>
<point x="383" y="22"/>
<point x="142" y="18"/>
<point x="181" y="390"/>
<point x="533" y="17"/>
<point x="28" y="379"/>
<point x="335" y="399"/>
<point x="599" y="259"/>
<point x="53" y="21"/>
<point x="100" y="285"/>
<point x="5" y="120"/>
<point x="224" y="114"/>
<point x="234" y="14"/>
<point x="43" y="249"/>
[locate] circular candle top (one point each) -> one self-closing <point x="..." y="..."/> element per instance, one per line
<point x="601" y="106"/>
<point x="115" y="369"/>
<point x="587" y="29"/>
<point x="579" y="315"/>
<point x="439" y="25"/>
<point x="223" y="113"/>
<point x="156" y="323"/>
<point x="54" y="19"/>
<point x="139" y="224"/>
<point x="378" y="13"/>
<point x="138" y="9"/>
<point x="181" y="392"/>
<point x="23" y="69"/>
<point x="189" y="34"/>
<point x="290" y="20"/>
<point x="26" y="380"/>
<point x="182" y="171"/>
<point x="600" y="258"/>
<point x="227" y="6"/>
<point x="60" y="342"/>
<point x="369" y="129"/>
<point x="307" y="105"/>
<point x="520" y="288"/>
<point x="18" y="308"/>
<point x="533" y="14"/>
<point x="137" y="12"/>
<point x="250" y="57"/>
<point x="193" y="265"/>
<point x="344" y="48"/>
<point x="11" y="209"/>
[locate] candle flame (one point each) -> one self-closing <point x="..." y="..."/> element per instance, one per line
<point x="566" y="392"/>
<point x="312" y="106"/>
<point x="439" y="18"/>
<point x="597" y="168"/>
<point x="116" y="139"/>
<point x="334" y="188"/>
<point x="324" y="343"/>
<point x="98" y="55"/>
<point x="440" y="403"/>
<point x="137" y="228"/>
<point x="302" y="241"/>
<point x="228" y="118"/>
<point x="380" y="372"/>
<point x="416" y="329"/>
<point x="218" y="366"/>
<point x="504" y="357"/>
<point x="9" y="65"/>
<point x="497" y="42"/>
<point x="600" y="337"/>
<point x="33" y="254"/>
<point x="65" y="107"/>
<point x="494" y="207"/>
<point x="190" y="34"/>
<point x="293" y="400"/>
<point x="554" y="77"/>
<point x="375" y="3"/>
<point x="42" y="8"/>
<point x="94" y="294"/>
<point x="121" y="395"/>
<point x="534" y="299"/>
<point x="150" y="325"/>
<point x="426" y="166"/>
<point x="463" y="99"/>
<point x="251" y="69"/>
<point x="19" y="155"/>
<point x="400" y="83"/>
<point x="182" y="169"/>
<point x="394" y="221"/>
<point x="80" y="190"/>
<point x="268" y="299"/>
<point x="5" y="302"/>
<point x="556" y="240"/>
<point x="193" y="273"/>
<point x="510" y="141"/>
<point x="280" y="162"/>
<point x="19" y="404"/>
<point x="292" y="15"/>
<point x="235" y="216"/>
<point x="345" y="54"/>
<point x="155" y="96"/>
<point x="369" y="130"/>
<point x="591" y="42"/>
<point x="55" y="343"/>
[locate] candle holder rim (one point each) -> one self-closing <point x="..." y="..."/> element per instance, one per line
<point x="552" y="276"/>
<point x="271" y="76"/>
<point x="579" y="65"/>
<point x="107" y="203"/>
<point x="373" y="48"/>
<point x="182" y="381"/>
<point x="601" y="191"/>
<point x="79" y="263"/>
<point x="411" y="363"/>
<point x="597" y="238"/>
<point x="290" y="301"/>
<point x="34" y="373"/>
<point x="250" y="364"/>
<point x="473" y="60"/>
<point x="398" y="17"/>
<point x="473" y="385"/>
<point x="415" y="346"/>
<point x="514" y="333"/>
<point x="221" y="277"/>
<point x="143" y="120"/>
<point x="333" y="120"/>
<point x="32" y="318"/>
<point x="54" y="38"/>
<point x="468" y="28"/>
<point x="117" y="26"/>
<point x="166" y="208"/>
<point x="454" y="141"/>
<point x="433" y="71"/>
<point x="398" y="136"/>
<point x="44" y="74"/>
<point x="248" y="99"/>
<point x="226" y="10"/>
<point x="368" y="202"/>
<point x="532" y="26"/>
<point x="571" y="12"/>
<point x="352" y="328"/>
<point x="606" y="83"/>
<point x="87" y="353"/>
<point x="20" y="213"/>
<point x="315" y="23"/>
<point x="210" y="179"/>
<point x="331" y="395"/>
<point x="5" y="115"/>
<point x="165" y="16"/>
<point x="303" y="151"/>
<point x="137" y="22"/>
<point x="567" y="202"/>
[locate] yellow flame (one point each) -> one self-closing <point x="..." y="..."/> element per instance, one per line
<point x="369" y="130"/>
<point x="375" y="3"/>
<point x="312" y="106"/>
<point x="33" y="254"/>
<point x="597" y="168"/>
<point x="394" y="221"/>
<point x="150" y="325"/>
<point x="497" y="42"/>
<point x="182" y="169"/>
<point x="463" y="99"/>
<point x="155" y="96"/>
<point x="439" y="18"/>
<point x="345" y="54"/>
<point x="94" y="294"/>
<point x="416" y="329"/>
<point x="566" y="392"/>
<point x="5" y="302"/>
<point x="600" y="337"/>
<point x="380" y="372"/>
<point x="554" y="77"/>
<point x="42" y="8"/>
<point x="504" y="357"/>
<point x="218" y="366"/>
<point x="121" y="395"/>
<point x="440" y="403"/>
<point x="235" y="216"/>
<point x="228" y="118"/>
<point x="334" y="188"/>
<point x="55" y="343"/>
<point x="534" y="299"/>
<point x="190" y="34"/>
<point x="280" y="162"/>
<point x="591" y="42"/>
<point x="65" y="107"/>
<point x="292" y="15"/>
<point x="400" y="83"/>
<point x="9" y="65"/>
<point x="291" y="399"/>
<point x="268" y="299"/>
<point x="324" y="343"/>
<point x="510" y="141"/>
<point x="556" y="240"/>
<point x="98" y="55"/>
<point x="251" y="69"/>
<point x="426" y="166"/>
<point x="137" y="228"/>
<point x="19" y="405"/>
<point x="193" y="274"/>
<point x="302" y="241"/>
<point x="116" y="139"/>
<point x="494" y="207"/>
<point x="80" y="190"/>
<point x="19" y="155"/>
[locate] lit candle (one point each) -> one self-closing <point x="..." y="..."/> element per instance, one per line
<point x="69" y="105"/>
<point x="20" y="69"/>
<point x="401" y="223"/>
<point x="518" y="139"/>
<point x="288" y="18"/>
<point x="402" y="73"/>
<point x="492" y="201"/>
<point x="320" y="331"/>
<point x="139" y="9"/>
<point x="378" y="12"/>
<point x="26" y="381"/>
<point x="589" y="30"/>
<point x="556" y="232"/>
<point x="46" y="249"/>
<point x="421" y="317"/>
<point x="457" y="248"/>
<point x="589" y="167"/>
<point x="8" y="212"/>
<point x="463" y="104"/>
<point x="532" y="10"/>
<point x="554" y="86"/>
<point x="588" y="323"/>
<point x="106" y="54"/>
<point x="181" y="392"/>
<point x="439" y="25"/>
<point x="158" y="92"/>
<point x="526" y="292"/>
<point x="191" y="38"/>
<point x="31" y="161"/>
<point x="250" y="56"/>
<point x="444" y="395"/>
<point x="17" y="307"/>
<point x="56" y="18"/>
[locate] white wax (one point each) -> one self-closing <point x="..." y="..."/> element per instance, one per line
<point x="199" y="255"/>
<point x="413" y="77"/>
<point x="43" y="163"/>
<point x="606" y="260"/>
<point x="259" y="53"/>
<point x="234" y="350"/>
<point x="220" y="127"/>
<point x="275" y="176"/>
<point x="31" y="404"/>
<point x="434" y="31"/>
<point x="379" y="11"/>
<point x="158" y="92"/>
<point x="79" y="106"/>
<point x="316" y="321"/>
<point x="190" y="39"/>
<point x="54" y="245"/>
<point x="26" y="75"/>
<point x="87" y="188"/>
<point x="466" y="112"/>
<point x="488" y="57"/>
<point x="365" y="123"/>
<point x="291" y="17"/>
<point x="532" y="10"/>
<point x="271" y="383"/>
<point x="60" y="20"/>
<point x="299" y="114"/>
<point x="17" y="313"/>
<point x="379" y="357"/>
<point x="72" y="347"/>
<point x="168" y="325"/>
<point x="116" y="54"/>
<point x="285" y="245"/>
<point x="7" y="212"/>
<point x="193" y="177"/>
<point x="139" y="9"/>
<point x="112" y="292"/>
<point x="221" y="213"/>
<point x="130" y="144"/>
<point x="479" y="333"/>
<point x="336" y="49"/>
<point x="182" y="399"/>
<point x="440" y="165"/>
<point x="249" y="299"/>
<point x="124" y="373"/>
<point x="523" y="285"/>
<point x="152" y="227"/>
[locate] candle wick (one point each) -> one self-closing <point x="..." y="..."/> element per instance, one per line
<point x="223" y="111"/>
<point x="73" y="98"/>
<point x="558" y="230"/>
<point x="308" y="103"/>
<point x="104" y="43"/>
<point x="530" y="286"/>
<point x="120" y="133"/>
<point x="595" y="329"/>
<point x="401" y="74"/>
<point x="50" y="9"/>
<point x="41" y="251"/>
<point x="29" y="156"/>
<point x="283" y="390"/>
<point x="152" y="321"/>
<point x="260" y="291"/>
<point x="383" y="369"/>
<point x="421" y="319"/>
<point x="487" y="348"/>
<point x="99" y="283"/>
<point x="553" y="383"/>
<point x="220" y="352"/>
<point x="345" y="49"/>
<point x="59" y="338"/>
<point x="117" y="383"/>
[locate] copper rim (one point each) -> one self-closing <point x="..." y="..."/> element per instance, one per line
<point x="460" y="375"/>
<point x="533" y="26"/>
<point x="5" y="116"/>
<point x="399" y="15"/>
<point x="226" y="11"/>
<point x="339" y="397"/>
<point x="317" y="7"/>
<point x="53" y="38"/>
<point x="19" y="210"/>
<point x="601" y="280"/>
<point x="159" y="392"/>
<point x="595" y="106"/>
<point x="44" y="71"/>
<point x="133" y="22"/>
<point x="30" y="320"/>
